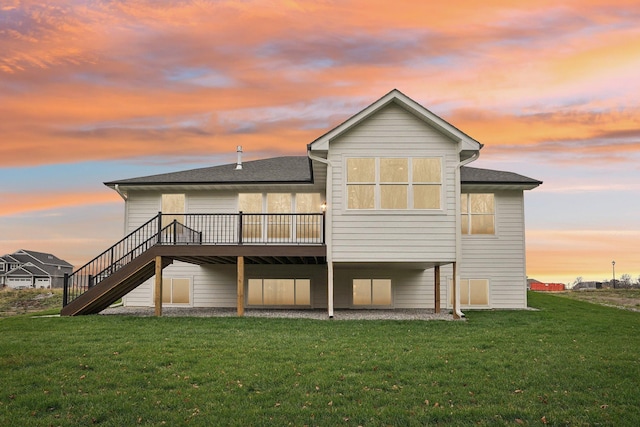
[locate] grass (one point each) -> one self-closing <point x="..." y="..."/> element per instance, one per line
<point x="621" y="298"/>
<point x="571" y="363"/>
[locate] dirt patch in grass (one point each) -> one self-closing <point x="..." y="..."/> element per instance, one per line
<point x="627" y="299"/>
<point x="14" y="302"/>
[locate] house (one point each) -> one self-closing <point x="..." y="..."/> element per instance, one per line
<point x="382" y="212"/>
<point x="31" y="269"/>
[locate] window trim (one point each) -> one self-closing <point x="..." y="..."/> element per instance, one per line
<point x="378" y="184"/>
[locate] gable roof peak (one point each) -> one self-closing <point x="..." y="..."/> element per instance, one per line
<point x="397" y="97"/>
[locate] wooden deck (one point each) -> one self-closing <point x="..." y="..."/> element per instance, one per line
<point x="96" y="298"/>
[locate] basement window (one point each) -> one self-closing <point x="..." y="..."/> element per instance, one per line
<point x="372" y="292"/>
<point x="279" y="292"/>
<point x="473" y="293"/>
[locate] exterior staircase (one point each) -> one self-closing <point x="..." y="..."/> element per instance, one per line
<point x="132" y="261"/>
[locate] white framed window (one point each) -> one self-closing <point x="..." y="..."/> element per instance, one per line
<point x="176" y="290"/>
<point x="372" y="292"/>
<point x="478" y="213"/>
<point x="473" y="293"/>
<point x="308" y="227"/>
<point x="273" y="292"/>
<point x="281" y="227"/>
<point x="394" y="183"/>
<point x="172" y="204"/>
<point x="251" y="203"/>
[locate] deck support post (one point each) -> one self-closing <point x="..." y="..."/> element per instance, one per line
<point x="330" y="288"/>
<point x="240" y="286"/>
<point x="456" y="297"/>
<point x="158" y="289"/>
<point x="436" y="289"/>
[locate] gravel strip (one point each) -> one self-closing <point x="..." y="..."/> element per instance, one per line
<point x="397" y="314"/>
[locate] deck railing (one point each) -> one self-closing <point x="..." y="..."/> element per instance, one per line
<point x="197" y="229"/>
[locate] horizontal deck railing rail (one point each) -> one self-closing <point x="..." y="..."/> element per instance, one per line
<point x="197" y="229"/>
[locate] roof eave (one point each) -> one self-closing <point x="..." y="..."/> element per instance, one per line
<point x="510" y="184"/>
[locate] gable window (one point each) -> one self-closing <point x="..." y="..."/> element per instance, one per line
<point x="394" y="183"/>
<point x="279" y="292"/>
<point x="371" y="292"/>
<point x="361" y="183"/>
<point x="478" y="213"/>
<point x="427" y="183"/>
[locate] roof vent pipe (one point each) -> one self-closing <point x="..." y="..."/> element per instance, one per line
<point x="239" y="163"/>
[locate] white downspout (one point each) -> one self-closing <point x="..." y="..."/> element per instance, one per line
<point x="124" y="196"/>
<point x="456" y="303"/>
<point x="328" y="234"/>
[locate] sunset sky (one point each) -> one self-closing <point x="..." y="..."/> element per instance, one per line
<point x="94" y="91"/>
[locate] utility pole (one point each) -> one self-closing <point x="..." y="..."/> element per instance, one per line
<point x="613" y="265"/>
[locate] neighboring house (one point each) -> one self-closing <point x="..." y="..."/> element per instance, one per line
<point x="382" y="212"/>
<point x="7" y="263"/>
<point x="30" y="269"/>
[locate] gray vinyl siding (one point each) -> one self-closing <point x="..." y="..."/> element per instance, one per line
<point x="141" y="206"/>
<point x="408" y="235"/>
<point x="500" y="258"/>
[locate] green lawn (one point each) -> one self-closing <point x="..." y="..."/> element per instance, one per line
<point x="571" y="363"/>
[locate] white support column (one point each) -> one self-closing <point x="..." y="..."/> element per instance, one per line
<point x="330" y="288"/>
<point x="456" y="293"/>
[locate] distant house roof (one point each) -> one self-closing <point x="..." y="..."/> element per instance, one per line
<point x="44" y="258"/>
<point x="8" y="259"/>
<point x="27" y="271"/>
<point x="294" y="169"/>
<point x="32" y="263"/>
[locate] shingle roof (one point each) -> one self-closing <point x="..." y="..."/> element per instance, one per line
<point x="291" y="169"/>
<point x="43" y="257"/>
<point x="294" y="169"/>
<point x="469" y="175"/>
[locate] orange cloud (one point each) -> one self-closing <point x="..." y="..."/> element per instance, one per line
<point x="19" y="203"/>
<point x="509" y="129"/>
